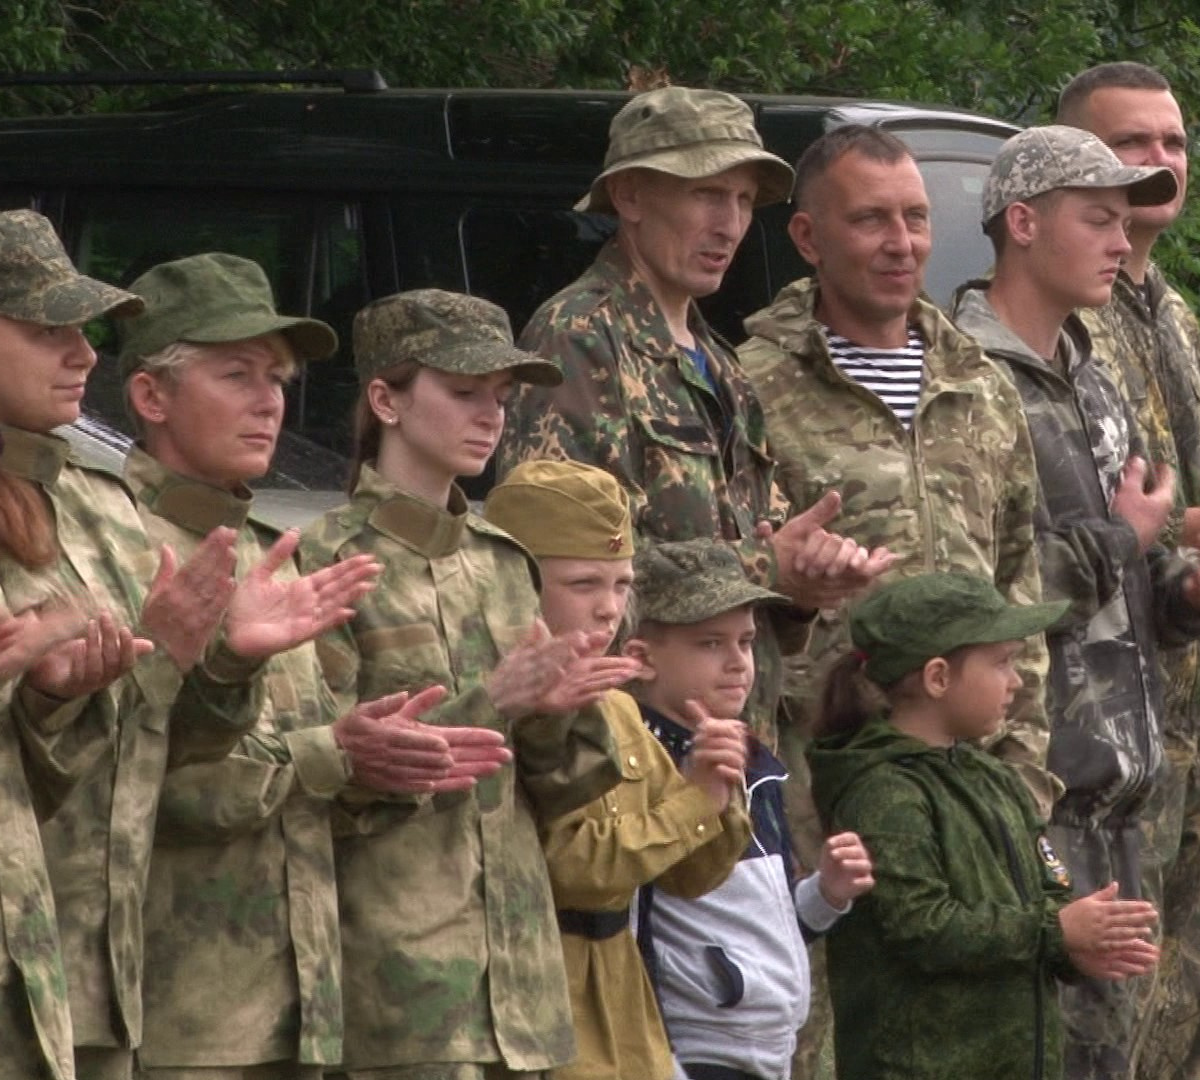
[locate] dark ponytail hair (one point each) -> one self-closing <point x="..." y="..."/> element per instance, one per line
<point x="367" y="427"/>
<point x="849" y="699"/>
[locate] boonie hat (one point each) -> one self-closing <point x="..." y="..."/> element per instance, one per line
<point x="690" y="134"/>
<point x="563" y="509"/>
<point x="688" y="581"/>
<point x="39" y="283"/>
<point x="449" y="331"/>
<point x="901" y="626"/>
<point x="213" y="299"/>
<point x="1041" y="159"/>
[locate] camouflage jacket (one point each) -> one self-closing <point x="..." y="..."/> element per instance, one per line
<point x="1151" y="345"/>
<point x="954" y="492"/>
<point x="654" y="826"/>
<point x="1103" y="693"/>
<point x="962" y="922"/>
<point x="449" y="941"/>
<point x="693" y="460"/>
<point x="243" y="961"/>
<point x="97" y="844"/>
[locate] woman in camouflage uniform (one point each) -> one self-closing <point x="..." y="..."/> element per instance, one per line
<point x="452" y="963"/>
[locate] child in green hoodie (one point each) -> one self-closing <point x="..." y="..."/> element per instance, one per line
<point x="947" y="968"/>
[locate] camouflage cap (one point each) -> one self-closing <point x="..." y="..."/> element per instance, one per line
<point x="688" y="581"/>
<point x="213" y="299"/>
<point x="901" y="626"/>
<point x="1041" y="159"/>
<point x="39" y="283"/>
<point x="448" y="331"/>
<point x="564" y="510"/>
<point x="690" y="134"/>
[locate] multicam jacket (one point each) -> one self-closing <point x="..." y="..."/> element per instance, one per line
<point x="450" y="948"/>
<point x="962" y="923"/>
<point x="243" y="961"/>
<point x="692" y="458"/>
<point x="1150" y="344"/>
<point x="654" y="826"/>
<point x="98" y="843"/>
<point x="955" y="492"/>
<point x="97" y="872"/>
<point x="1103" y="694"/>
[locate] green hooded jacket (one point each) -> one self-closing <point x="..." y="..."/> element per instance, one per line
<point x="946" y="968"/>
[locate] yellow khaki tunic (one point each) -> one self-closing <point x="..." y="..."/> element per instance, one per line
<point x="654" y="826"/>
<point x="243" y="962"/>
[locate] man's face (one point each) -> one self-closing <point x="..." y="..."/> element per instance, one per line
<point x="1143" y="127"/>
<point x="865" y="228"/>
<point x="1078" y="243"/>
<point x="682" y="234"/>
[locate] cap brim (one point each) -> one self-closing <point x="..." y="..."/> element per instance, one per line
<point x="310" y="339"/>
<point x="1018" y="623"/>
<point x="486" y="357"/>
<point x="76" y="301"/>
<point x="712" y="602"/>
<point x="695" y="163"/>
<point x="1159" y="187"/>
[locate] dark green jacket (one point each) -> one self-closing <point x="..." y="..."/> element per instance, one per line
<point x="947" y="967"/>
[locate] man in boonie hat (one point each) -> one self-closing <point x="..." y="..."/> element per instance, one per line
<point x="1056" y="206"/>
<point x="650" y="394"/>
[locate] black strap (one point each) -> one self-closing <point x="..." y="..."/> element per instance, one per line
<point x="593" y="925"/>
<point x="701" y="1071"/>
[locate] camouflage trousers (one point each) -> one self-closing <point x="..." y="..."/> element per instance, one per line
<point x="20" y="1051"/>
<point x="1167" y="1039"/>
<point x="103" y="1063"/>
<point x="271" y="1070"/>
<point x="447" y="1071"/>
<point x="1098" y="1016"/>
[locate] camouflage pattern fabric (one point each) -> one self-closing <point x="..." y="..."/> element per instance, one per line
<point x="243" y="959"/>
<point x="453" y="1071"/>
<point x="947" y="967"/>
<point x="98" y="843"/>
<point x="1151" y="342"/>
<point x="692" y="458"/>
<point x="449" y="941"/>
<point x="656" y="827"/>
<point x="1103" y="693"/>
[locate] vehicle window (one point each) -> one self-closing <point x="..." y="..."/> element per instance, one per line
<point x="960" y="250"/>
<point x="310" y="247"/>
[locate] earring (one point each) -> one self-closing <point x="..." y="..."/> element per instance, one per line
<point x="391" y="420"/>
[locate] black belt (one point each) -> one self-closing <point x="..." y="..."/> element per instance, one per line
<point x="698" y="1071"/>
<point x="593" y="925"/>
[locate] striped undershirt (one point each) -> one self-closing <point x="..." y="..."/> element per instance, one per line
<point x="894" y="375"/>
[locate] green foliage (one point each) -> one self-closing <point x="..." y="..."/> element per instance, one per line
<point x="1004" y="57"/>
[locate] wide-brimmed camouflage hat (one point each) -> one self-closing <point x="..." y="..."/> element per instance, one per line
<point x="902" y="626"/>
<point x="564" y="510"/>
<point x="1041" y="159"/>
<point x="688" y="581"/>
<point x="213" y="299"/>
<point x="448" y="331"/>
<point x="691" y="134"/>
<point x="39" y="283"/>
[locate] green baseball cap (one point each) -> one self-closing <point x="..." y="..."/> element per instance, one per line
<point x="1041" y="159"/>
<point x="449" y="331"/>
<point x="39" y="283"/>
<point x="213" y="299"/>
<point x="901" y="626"/>
<point x="690" y="134"/>
<point x="688" y="581"/>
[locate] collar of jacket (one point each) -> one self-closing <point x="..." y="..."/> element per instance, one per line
<point x="974" y="315"/>
<point x="432" y="531"/>
<point x="1144" y="303"/>
<point x="675" y="738"/>
<point x="191" y="504"/>
<point x="32" y="456"/>
<point x="791" y="323"/>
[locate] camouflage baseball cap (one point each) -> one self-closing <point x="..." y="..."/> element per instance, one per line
<point x="563" y="509"/>
<point x="901" y="626"/>
<point x="213" y="299"/>
<point x="689" y="581"/>
<point x="39" y="283"/>
<point x="1041" y="159"/>
<point x="444" y="330"/>
<point x="690" y="134"/>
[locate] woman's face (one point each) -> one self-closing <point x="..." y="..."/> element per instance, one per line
<point x="446" y="425"/>
<point x="46" y="372"/>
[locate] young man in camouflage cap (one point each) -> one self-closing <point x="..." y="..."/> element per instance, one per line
<point x="683" y="833"/>
<point x="732" y="970"/>
<point x="1056" y="205"/>
<point x="650" y="394"/>
<point x="205" y="369"/>
<point x="1150" y="339"/>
